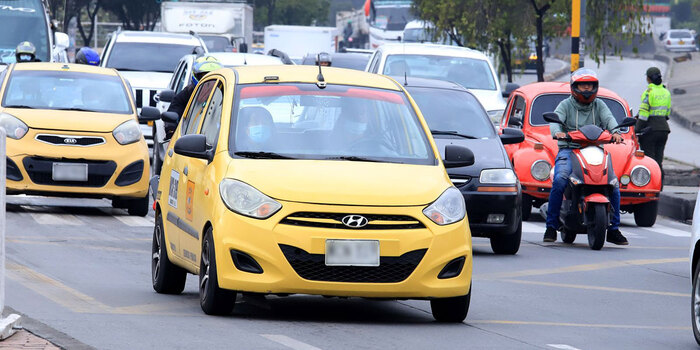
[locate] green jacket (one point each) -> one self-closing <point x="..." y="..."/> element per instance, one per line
<point x="655" y="108"/>
<point x="576" y="115"/>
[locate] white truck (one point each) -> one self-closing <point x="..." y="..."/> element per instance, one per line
<point x="211" y="20"/>
<point x="297" y="41"/>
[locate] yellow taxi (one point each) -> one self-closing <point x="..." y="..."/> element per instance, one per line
<point x="288" y="179"/>
<point x="72" y="130"/>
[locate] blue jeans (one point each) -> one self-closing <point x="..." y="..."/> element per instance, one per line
<point x="562" y="171"/>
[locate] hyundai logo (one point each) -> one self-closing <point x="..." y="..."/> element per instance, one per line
<point x="355" y="221"/>
<point x="70" y="140"/>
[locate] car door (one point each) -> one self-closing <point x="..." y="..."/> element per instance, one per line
<point x="175" y="171"/>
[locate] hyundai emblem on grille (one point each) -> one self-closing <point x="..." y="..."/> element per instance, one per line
<point x="70" y="140"/>
<point x="355" y="221"/>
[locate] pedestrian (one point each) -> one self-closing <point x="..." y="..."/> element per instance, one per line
<point x="653" y="114"/>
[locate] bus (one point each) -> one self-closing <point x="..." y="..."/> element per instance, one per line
<point x="29" y="20"/>
<point x="387" y="19"/>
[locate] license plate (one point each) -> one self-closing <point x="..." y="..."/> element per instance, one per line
<point x="344" y="252"/>
<point x="681" y="42"/>
<point x="70" y="172"/>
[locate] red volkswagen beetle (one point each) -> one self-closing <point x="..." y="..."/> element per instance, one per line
<point x="533" y="160"/>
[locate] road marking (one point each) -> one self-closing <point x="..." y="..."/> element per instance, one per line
<point x="582" y="325"/>
<point x="135" y="220"/>
<point x="530" y="227"/>
<point x="562" y="347"/>
<point x="606" y="289"/>
<point x="669" y="231"/>
<point x="80" y="245"/>
<point x="56" y="219"/>
<point x="289" y="342"/>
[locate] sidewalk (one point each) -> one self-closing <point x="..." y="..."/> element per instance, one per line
<point x="25" y="340"/>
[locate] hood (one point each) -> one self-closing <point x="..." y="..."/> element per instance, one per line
<point x="342" y="182"/>
<point x="147" y="80"/>
<point x="490" y="99"/>
<point x="488" y="154"/>
<point x="69" y="120"/>
<point x="621" y="155"/>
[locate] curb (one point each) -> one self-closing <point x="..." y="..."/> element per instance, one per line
<point x="676" y="207"/>
<point x="557" y="73"/>
<point x="675" y="115"/>
<point x="41" y="330"/>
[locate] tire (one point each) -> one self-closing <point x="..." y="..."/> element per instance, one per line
<point x="212" y="299"/>
<point x="526" y="207"/>
<point x="453" y="309"/>
<point x="138" y="206"/>
<point x="167" y="277"/>
<point x="695" y="303"/>
<point x="567" y="236"/>
<point x="507" y="244"/>
<point x="596" y="230"/>
<point x="645" y="214"/>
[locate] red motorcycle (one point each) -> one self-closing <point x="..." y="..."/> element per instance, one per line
<point x="586" y="205"/>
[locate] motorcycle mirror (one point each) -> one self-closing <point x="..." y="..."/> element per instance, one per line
<point x="552" y="118"/>
<point x="626" y="122"/>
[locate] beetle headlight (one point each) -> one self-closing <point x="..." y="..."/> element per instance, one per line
<point x="15" y="128"/>
<point x="448" y="208"/>
<point x="540" y="170"/>
<point x="640" y="176"/>
<point x="246" y="200"/>
<point x="128" y="132"/>
<point x="498" y="176"/>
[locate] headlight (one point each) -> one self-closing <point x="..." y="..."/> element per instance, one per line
<point x="128" y="132"/>
<point x="246" y="200"/>
<point x="593" y="155"/>
<point x="540" y="170"/>
<point x="495" y="115"/>
<point x="640" y="176"/>
<point x="448" y="208"/>
<point x="15" y="128"/>
<point x="498" y="176"/>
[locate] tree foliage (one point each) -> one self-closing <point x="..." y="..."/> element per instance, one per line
<point x="134" y="14"/>
<point x="611" y="25"/>
<point x="293" y="12"/>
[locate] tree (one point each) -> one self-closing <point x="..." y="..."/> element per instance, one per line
<point x="89" y="8"/>
<point x="612" y="25"/>
<point x="295" y="12"/>
<point x="541" y="9"/>
<point x="134" y="14"/>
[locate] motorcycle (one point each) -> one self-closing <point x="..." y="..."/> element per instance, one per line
<point x="586" y="206"/>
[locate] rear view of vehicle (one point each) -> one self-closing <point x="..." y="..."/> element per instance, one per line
<point x="28" y="20"/>
<point x="387" y="20"/>
<point x="679" y="40"/>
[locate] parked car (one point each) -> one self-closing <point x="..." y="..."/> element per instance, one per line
<point x="489" y="186"/>
<point x="679" y="40"/>
<point x="639" y="176"/>
<point x="72" y="130"/>
<point x="283" y="183"/>
<point x="470" y="68"/>
<point x="354" y="60"/>
<point x="695" y="270"/>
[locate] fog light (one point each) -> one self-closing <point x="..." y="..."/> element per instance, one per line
<point x="495" y="218"/>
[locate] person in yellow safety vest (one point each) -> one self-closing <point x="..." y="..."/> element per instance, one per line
<point x="654" y="113"/>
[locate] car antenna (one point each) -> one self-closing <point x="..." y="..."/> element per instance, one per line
<point x="405" y="78"/>
<point x="321" y="83"/>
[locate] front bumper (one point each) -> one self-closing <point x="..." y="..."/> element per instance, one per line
<point x="481" y="204"/>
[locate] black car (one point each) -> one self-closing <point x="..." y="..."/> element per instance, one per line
<point x="490" y="187"/>
<point x="350" y="60"/>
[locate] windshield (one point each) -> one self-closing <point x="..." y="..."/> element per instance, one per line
<point x="391" y="18"/>
<point x="66" y="90"/>
<point x="148" y="57"/>
<point x="468" y="72"/>
<point x="23" y="21"/>
<point x="681" y="35"/>
<point x="452" y="111"/>
<point x="336" y="123"/>
<point x="549" y="102"/>
<point x="216" y="43"/>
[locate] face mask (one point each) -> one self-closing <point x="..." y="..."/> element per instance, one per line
<point x="259" y="133"/>
<point x="355" y="127"/>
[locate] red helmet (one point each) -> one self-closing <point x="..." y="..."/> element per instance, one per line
<point x="584" y="76"/>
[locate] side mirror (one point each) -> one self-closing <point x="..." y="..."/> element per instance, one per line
<point x="510" y="87"/>
<point x="626" y="122"/>
<point x="148" y="114"/>
<point x="166" y="96"/>
<point x="552" y="118"/>
<point x="194" y="146"/>
<point x="515" y="120"/>
<point x="510" y="136"/>
<point x="457" y="156"/>
<point x="61" y="40"/>
<point x="170" y="117"/>
<point x="243" y="47"/>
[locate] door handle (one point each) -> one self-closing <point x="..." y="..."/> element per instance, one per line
<point x="185" y="171"/>
<point x="170" y="152"/>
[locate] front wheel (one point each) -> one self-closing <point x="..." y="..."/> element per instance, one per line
<point x="527" y="206"/>
<point x="695" y="304"/>
<point x="645" y="214"/>
<point x="507" y="244"/>
<point x="598" y="226"/>
<point x="138" y="206"/>
<point x="213" y="299"/>
<point x="453" y="309"/>
<point x="167" y="278"/>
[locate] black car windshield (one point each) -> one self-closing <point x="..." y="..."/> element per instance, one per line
<point x="216" y="43"/>
<point x="63" y="90"/>
<point x="301" y="121"/>
<point x="468" y="72"/>
<point x="154" y="57"/>
<point x="23" y="21"/>
<point x="549" y="102"/>
<point x="452" y="111"/>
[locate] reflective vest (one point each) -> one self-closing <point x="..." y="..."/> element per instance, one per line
<point x="655" y="108"/>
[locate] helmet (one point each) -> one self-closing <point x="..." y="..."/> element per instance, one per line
<point x="25" y="52"/>
<point x="584" y="76"/>
<point x="87" y="55"/>
<point x="202" y="66"/>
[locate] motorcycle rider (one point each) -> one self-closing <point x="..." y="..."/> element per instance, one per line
<point x="25" y="52"/>
<point x="581" y="108"/>
<point x="87" y="55"/>
<point x="653" y="113"/>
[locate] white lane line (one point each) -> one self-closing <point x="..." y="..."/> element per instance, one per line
<point x="56" y="219"/>
<point x="289" y="342"/>
<point x="562" y="347"/>
<point x="530" y="227"/>
<point x="135" y="220"/>
<point x="668" y="231"/>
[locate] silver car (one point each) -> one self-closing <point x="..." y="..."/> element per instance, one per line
<point x="679" y="40"/>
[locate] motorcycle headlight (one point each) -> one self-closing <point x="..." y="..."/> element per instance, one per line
<point x="15" y="128"/>
<point x="498" y="176"/>
<point x="128" y="132"/>
<point x="246" y="200"/>
<point x="593" y="155"/>
<point x="495" y="115"/>
<point x="640" y="176"/>
<point x="540" y="170"/>
<point x="448" y="208"/>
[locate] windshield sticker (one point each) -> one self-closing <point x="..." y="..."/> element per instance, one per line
<point x="172" y="192"/>
<point x="190" y="200"/>
<point x="18" y="9"/>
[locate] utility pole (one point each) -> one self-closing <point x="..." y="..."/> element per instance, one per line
<point x="575" y="34"/>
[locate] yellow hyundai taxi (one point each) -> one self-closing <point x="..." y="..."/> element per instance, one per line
<point x="284" y="179"/>
<point x="72" y="130"/>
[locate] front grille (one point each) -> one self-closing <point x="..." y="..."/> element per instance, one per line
<point x="391" y="269"/>
<point x="40" y="171"/>
<point x="334" y="220"/>
<point x="67" y="140"/>
<point x="145" y="97"/>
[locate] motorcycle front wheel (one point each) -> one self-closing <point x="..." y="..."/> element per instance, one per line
<point x="596" y="228"/>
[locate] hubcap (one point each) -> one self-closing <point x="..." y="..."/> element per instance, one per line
<point x="155" y="258"/>
<point x="696" y="302"/>
<point x="204" y="271"/>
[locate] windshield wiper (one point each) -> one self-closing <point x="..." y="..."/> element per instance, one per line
<point x="455" y="133"/>
<point x="74" y="109"/>
<point x="19" y="106"/>
<point x="353" y="159"/>
<point x="262" y="155"/>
